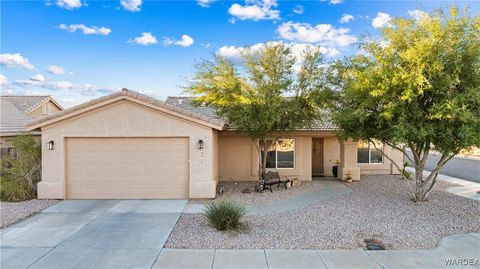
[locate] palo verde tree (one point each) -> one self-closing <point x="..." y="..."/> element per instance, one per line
<point x="270" y="94"/>
<point x="25" y="165"/>
<point x="417" y="88"/>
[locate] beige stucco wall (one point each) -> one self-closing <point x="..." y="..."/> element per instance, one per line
<point x="238" y="158"/>
<point x="128" y="119"/>
<point x="49" y="107"/>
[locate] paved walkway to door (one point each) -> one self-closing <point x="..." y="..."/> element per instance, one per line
<point x="331" y="188"/>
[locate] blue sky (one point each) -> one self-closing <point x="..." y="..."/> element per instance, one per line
<point x="77" y="50"/>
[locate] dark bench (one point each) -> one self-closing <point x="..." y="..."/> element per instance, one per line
<point x="273" y="178"/>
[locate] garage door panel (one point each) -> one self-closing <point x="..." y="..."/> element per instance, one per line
<point x="127" y="168"/>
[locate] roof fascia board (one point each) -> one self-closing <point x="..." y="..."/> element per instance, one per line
<point x="115" y="99"/>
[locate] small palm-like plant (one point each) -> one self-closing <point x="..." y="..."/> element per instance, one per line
<point x="225" y="215"/>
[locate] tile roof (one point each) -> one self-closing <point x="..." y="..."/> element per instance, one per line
<point x="26" y="103"/>
<point x="13" y="112"/>
<point x="185" y="103"/>
<point x="125" y="92"/>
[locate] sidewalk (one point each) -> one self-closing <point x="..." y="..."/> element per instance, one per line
<point x="330" y="189"/>
<point x="456" y="251"/>
<point x="468" y="189"/>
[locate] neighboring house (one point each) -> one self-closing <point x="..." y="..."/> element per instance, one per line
<point x="128" y="145"/>
<point x="17" y="111"/>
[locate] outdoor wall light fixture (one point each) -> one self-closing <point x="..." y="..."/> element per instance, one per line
<point x="50" y="145"/>
<point x="200" y="144"/>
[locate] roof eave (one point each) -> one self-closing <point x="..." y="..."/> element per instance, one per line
<point x="124" y="94"/>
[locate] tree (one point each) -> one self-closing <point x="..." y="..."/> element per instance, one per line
<point x="25" y="165"/>
<point x="417" y="88"/>
<point x="264" y="98"/>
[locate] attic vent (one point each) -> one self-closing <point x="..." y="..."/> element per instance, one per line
<point x="180" y="101"/>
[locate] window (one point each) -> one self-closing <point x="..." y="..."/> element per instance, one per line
<point x="367" y="153"/>
<point x="281" y="154"/>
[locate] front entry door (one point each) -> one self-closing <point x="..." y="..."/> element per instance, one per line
<point x="317" y="156"/>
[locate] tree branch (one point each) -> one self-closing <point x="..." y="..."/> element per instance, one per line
<point x="402" y="150"/>
<point x="434" y="174"/>
<point x="402" y="170"/>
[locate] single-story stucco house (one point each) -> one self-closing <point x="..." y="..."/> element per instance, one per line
<point x="17" y="111"/>
<point x="130" y="146"/>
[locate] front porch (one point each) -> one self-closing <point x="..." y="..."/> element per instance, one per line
<point x="302" y="155"/>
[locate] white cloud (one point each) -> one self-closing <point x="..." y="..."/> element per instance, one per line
<point x="3" y="79"/>
<point x="57" y="70"/>
<point x="417" y="14"/>
<point x="382" y="20"/>
<point x="86" y="89"/>
<point x="15" y="60"/>
<point x="205" y="45"/>
<point x="86" y="30"/>
<point x="324" y="34"/>
<point x="91" y="89"/>
<point x="145" y="39"/>
<point x="52" y="85"/>
<point x="297" y="49"/>
<point x="38" y="77"/>
<point x="69" y="4"/>
<point x="131" y="5"/>
<point x="335" y="2"/>
<point x="186" y="41"/>
<point x="205" y="3"/>
<point x="255" y="10"/>
<point x="346" y="18"/>
<point x="298" y="9"/>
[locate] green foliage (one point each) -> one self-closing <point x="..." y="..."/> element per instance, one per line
<point x="269" y="95"/>
<point x="225" y="215"/>
<point x="14" y="190"/>
<point x="418" y="86"/>
<point x="24" y="169"/>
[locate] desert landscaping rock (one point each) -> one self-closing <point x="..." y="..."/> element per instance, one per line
<point x="234" y="191"/>
<point x="11" y="212"/>
<point x="379" y="207"/>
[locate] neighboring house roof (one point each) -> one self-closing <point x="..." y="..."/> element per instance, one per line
<point x="186" y="103"/>
<point x="132" y="96"/>
<point x="27" y="104"/>
<point x="15" y="112"/>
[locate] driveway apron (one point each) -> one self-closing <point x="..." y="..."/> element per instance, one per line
<point x="91" y="234"/>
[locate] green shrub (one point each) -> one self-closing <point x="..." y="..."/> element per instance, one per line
<point x="22" y="171"/>
<point x="14" y="190"/>
<point x="225" y="215"/>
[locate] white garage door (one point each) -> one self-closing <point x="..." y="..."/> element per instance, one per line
<point x="126" y="168"/>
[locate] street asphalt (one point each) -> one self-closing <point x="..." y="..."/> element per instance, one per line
<point x="459" y="167"/>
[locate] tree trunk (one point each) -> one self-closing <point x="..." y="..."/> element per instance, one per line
<point x="419" y="195"/>
<point x="262" y="157"/>
<point x="420" y="152"/>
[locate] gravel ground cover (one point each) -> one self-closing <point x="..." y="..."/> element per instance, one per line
<point x="379" y="207"/>
<point x="233" y="191"/>
<point x="13" y="212"/>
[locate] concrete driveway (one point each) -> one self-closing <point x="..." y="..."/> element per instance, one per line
<point x="91" y="234"/>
